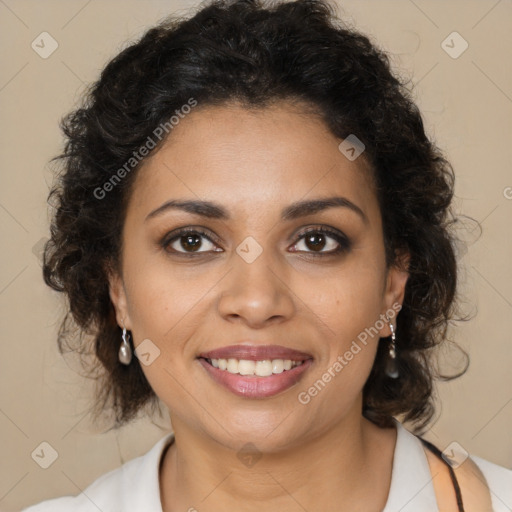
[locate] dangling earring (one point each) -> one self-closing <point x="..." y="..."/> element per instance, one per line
<point x="125" y="351"/>
<point x="391" y="364"/>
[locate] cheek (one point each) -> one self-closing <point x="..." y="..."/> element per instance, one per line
<point x="350" y="306"/>
<point x="350" y="300"/>
<point x="160" y="296"/>
<point x="163" y="303"/>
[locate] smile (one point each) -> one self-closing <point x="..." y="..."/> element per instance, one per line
<point x="255" y="379"/>
<point x="263" y="368"/>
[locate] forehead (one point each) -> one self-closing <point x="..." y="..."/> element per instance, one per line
<point x="249" y="159"/>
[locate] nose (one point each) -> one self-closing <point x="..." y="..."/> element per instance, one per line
<point x="256" y="294"/>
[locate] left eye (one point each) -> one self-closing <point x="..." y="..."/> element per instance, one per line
<point x="321" y="241"/>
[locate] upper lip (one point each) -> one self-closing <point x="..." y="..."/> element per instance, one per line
<point x="256" y="353"/>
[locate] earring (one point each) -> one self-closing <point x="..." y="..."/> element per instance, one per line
<point x="125" y="351"/>
<point x="391" y="364"/>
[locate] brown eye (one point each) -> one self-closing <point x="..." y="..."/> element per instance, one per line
<point x="321" y="241"/>
<point x="189" y="241"/>
<point x="315" y="241"/>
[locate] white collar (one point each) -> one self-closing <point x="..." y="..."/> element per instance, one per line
<point x="411" y="487"/>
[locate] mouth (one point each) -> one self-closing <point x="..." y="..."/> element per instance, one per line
<point x="253" y="371"/>
<point x="248" y="368"/>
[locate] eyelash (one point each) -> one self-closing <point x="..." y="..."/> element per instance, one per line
<point x="343" y="242"/>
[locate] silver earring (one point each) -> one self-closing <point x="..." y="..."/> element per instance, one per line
<point x="391" y="364"/>
<point x="125" y="351"/>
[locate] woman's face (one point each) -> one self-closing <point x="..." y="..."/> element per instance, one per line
<point x="247" y="276"/>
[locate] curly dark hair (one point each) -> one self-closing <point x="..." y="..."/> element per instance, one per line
<point x="256" y="54"/>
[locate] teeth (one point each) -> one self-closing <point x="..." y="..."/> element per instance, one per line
<point x="262" y="368"/>
<point x="232" y="366"/>
<point x="277" y="366"/>
<point x="244" y="367"/>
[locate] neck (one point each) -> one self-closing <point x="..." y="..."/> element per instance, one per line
<point x="341" y="469"/>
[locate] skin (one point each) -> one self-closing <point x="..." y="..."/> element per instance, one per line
<point x="474" y="489"/>
<point x="321" y="456"/>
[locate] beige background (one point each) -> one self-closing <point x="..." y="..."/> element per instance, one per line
<point x="467" y="106"/>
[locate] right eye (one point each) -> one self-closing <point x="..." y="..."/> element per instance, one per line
<point x="188" y="241"/>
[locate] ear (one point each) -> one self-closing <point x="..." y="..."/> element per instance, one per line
<point x="117" y="294"/>
<point x="394" y="291"/>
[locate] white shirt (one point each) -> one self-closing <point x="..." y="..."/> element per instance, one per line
<point x="134" y="487"/>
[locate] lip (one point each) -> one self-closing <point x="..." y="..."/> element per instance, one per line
<point x="256" y="353"/>
<point x="253" y="386"/>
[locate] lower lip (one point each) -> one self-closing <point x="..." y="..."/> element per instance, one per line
<point x="256" y="387"/>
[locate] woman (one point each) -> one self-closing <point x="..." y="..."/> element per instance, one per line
<point x="255" y="228"/>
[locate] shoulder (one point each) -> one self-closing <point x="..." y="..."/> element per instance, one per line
<point x="498" y="479"/>
<point x="484" y="486"/>
<point x="133" y="486"/>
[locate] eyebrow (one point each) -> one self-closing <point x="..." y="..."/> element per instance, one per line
<point x="296" y="210"/>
